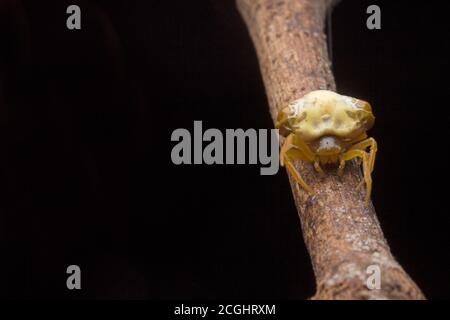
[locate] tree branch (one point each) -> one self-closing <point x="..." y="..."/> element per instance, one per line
<point x="342" y="234"/>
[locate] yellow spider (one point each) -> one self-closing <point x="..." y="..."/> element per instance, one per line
<point x="325" y="127"/>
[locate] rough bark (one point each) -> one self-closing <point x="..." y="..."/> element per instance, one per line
<point x="342" y="234"/>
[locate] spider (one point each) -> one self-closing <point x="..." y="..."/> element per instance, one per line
<point x="325" y="127"/>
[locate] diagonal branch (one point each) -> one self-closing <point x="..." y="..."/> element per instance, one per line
<point x="342" y="234"/>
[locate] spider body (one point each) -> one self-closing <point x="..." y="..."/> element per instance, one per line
<point x="325" y="127"/>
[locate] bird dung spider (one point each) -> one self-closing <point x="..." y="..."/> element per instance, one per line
<point x="325" y="127"/>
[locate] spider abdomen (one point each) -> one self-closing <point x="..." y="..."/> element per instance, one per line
<point x="325" y="113"/>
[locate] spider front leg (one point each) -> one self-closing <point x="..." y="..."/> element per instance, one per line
<point x="295" y="149"/>
<point x="363" y="145"/>
<point x="341" y="167"/>
<point x="358" y="153"/>
<point x="317" y="166"/>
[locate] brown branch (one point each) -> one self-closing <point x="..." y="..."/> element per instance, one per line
<point x="342" y="234"/>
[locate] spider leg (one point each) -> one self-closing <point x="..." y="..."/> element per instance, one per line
<point x="287" y="145"/>
<point x="317" y="166"/>
<point x="341" y="167"/>
<point x="290" y="167"/>
<point x="295" y="149"/>
<point x="304" y="148"/>
<point x="358" y="153"/>
<point x="307" y="152"/>
<point x="362" y="145"/>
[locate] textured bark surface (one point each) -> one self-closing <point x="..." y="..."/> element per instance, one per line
<point x="342" y="234"/>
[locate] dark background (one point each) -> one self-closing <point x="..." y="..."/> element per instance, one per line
<point x="85" y="171"/>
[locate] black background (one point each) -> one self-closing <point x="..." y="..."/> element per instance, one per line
<point x="85" y="171"/>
